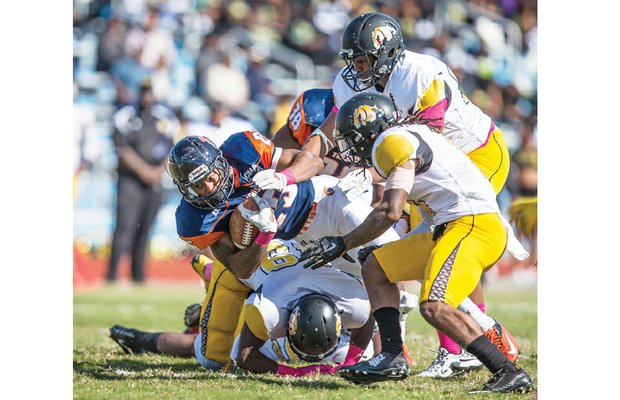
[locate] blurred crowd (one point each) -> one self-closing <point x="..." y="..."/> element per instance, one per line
<point x="225" y="65"/>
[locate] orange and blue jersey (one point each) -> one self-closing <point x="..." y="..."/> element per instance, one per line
<point x="247" y="153"/>
<point x="308" y="113"/>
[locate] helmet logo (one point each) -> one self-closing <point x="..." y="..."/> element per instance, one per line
<point x="364" y="115"/>
<point x="292" y="322"/>
<point x="382" y="34"/>
<point x="338" y="325"/>
<point x="201" y="169"/>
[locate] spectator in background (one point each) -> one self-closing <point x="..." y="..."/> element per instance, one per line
<point x="111" y="46"/>
<point x="127" y="73"/>
<point x="226" y="83"/>
<point x="221" y="124"/>
<point x="142" y="136"/>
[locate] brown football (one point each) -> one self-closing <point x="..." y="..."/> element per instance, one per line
<point x="242" y="231"/>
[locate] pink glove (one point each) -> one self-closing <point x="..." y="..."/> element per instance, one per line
<point x="308" y="370"/>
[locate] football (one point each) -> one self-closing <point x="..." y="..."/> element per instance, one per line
<point x="242" y="231"/>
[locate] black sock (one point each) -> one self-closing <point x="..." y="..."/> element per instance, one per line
<point x="388" y="320"/>
<point x="489" y="354"/>
<point x="148" y="341"/>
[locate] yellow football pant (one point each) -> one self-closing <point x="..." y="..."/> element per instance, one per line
<point x="221" y="312"/>
<point x="493" y="160"/>
<point x="451" y="267"/>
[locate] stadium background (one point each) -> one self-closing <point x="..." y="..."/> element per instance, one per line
<point x="263" y="54"/>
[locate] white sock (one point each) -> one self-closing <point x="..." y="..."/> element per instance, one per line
<point x="484" y="321"/>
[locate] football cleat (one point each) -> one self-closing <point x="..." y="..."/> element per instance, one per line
<point x="408" y="357"/>
<point x="500" y="337"/>
<point x="408" y="302"/>
<point x="127" y="338"/>
<point x="504" y="382"/>
<point x="447" y="365"/>
<point x="382" y="367"/>
<point x="467" y="362"/>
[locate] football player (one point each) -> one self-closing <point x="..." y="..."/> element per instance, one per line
<point x="422" y="86"/>
<point x="310" y="308"/>
<point x="468" y="238"/>
<point x="213" y="182"/>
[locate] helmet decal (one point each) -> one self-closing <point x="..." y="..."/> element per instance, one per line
<point x="382" y="34"/>
<point x="365" y="114"/>
<point x="338" y="325"/>
<point x="201" y="169"/>
<point x="292" y="323"/>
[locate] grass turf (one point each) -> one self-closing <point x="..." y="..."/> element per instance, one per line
<point x="102" y="371"/>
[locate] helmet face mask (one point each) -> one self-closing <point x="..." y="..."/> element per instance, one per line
<point x="378" y="38"/>
<point x="190" y="162"/>
<point x="314" y="327"/>
<point x="358" y="123"/>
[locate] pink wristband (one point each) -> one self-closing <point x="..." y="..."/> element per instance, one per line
<point x="264" y="238"/>
<point x="290" y="178"/>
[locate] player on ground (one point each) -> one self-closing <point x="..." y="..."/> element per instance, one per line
<point x="213" y="182"/>
<point x="468" y="237"/>
<point x="302" y="294"/>
<point x="424" y="87"/>
<point x="308" y="307"/>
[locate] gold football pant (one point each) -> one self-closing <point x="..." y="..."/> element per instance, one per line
<point x="451" y="267"/>
<point x="493" y="160"/>
<point x="221" y="313"/>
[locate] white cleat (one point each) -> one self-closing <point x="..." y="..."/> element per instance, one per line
<point x="447" y="365"/>
<point x="467" y="362"/>
<point x="408" y="302"/>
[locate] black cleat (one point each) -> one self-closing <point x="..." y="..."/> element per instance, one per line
<point x="127" y="338"/>
<point x="505" y="382"/>
<point x="382" y="367"/>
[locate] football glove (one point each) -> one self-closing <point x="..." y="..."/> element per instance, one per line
<point x="355" y="183"/>
<point x="364" y="252"/>
<point x="323" y="251"/>
<point x="263" y="219"/>
<point x="270" y="179"/>
<point x="191" y="317"/>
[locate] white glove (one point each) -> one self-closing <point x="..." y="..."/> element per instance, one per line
<point x="270" y="179"/>
<point x="264" y="219"/>
<point x="355" y="183"/>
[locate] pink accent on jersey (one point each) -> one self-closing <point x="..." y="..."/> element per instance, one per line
<point x="434" y="115"/>
<point x="335" y="109"/>
<point x="488" y="135"/>
<point x="206" y="272"/>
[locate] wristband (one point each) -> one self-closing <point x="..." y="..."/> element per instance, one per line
<point x="264" y="238"/>
<point x="288" y="174"/>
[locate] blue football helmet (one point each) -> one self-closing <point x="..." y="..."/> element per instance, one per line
<point x="191" y="160"/>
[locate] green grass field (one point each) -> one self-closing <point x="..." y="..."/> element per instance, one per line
<point x="102" y="371"/>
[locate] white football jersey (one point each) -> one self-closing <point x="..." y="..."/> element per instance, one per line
<point x="335" y="215"/>
<point x="447" y="184"/>
<point x="419" y="81"/>
<point x="288" y="281"/>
